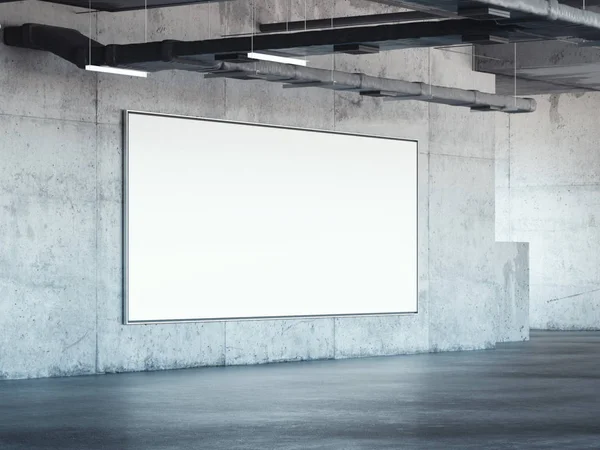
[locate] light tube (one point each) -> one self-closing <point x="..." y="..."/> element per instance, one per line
<point x="117" y="71"/>
<point x="277" y="59"/>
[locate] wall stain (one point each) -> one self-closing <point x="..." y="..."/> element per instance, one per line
<point x="555" y="117"/>
<point x="554" y="59"/>
<point x="77" y="369"/>
<point x="591" y="221"/>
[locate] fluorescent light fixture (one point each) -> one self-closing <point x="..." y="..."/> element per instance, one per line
<point x="117" y="71"/>
<point x="277" y="59"/>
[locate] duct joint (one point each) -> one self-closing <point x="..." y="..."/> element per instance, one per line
<point x="553" y="9"/>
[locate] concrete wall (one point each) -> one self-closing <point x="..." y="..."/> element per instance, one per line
<point x="60" y="200"/>
<point x="548" y="194"/>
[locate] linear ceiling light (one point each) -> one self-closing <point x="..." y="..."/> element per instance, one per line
<point x="277" y="59"/>
<point x="117" y="71"/>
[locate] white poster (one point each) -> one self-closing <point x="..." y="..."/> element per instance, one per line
<point x="231" y="220"/>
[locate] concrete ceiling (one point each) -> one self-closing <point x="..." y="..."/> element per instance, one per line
<point x="121" y="5"/>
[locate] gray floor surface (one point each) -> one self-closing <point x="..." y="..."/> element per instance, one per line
<point x="540" y="394"/>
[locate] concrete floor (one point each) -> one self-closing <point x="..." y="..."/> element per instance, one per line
<point x="541" y="394"/>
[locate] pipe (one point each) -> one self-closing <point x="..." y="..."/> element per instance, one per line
<point x="404" y="89"/>
<point x="550" y="9"/>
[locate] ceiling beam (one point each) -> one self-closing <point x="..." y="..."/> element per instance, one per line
<point x="337" y="22"/>
<point x="385" y="37"/>
<point x="63" y="41"/>
<point x="122" y="5"/>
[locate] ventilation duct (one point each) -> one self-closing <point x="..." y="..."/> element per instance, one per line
<point x="169" y="55"/>
<point x="551" y="10"/>
<point x="533" y="14"/>
<point x="298" y="77"/>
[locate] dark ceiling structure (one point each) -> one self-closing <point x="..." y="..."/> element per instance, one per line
<point x="229" y="57"/>
<point x="432" y="23"/>
<point x="121" y="5"/>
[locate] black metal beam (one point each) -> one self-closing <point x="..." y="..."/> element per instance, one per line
<point x="337" y="22"/>
<point x="73" y="46"/>
<point x="441" y="8"/>
<point x="324" y="41"/>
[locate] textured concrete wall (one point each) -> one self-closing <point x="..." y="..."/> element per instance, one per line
<point x="548" y="194"/>
<point x="60" y="197"/>
<point x="461" y="213"/>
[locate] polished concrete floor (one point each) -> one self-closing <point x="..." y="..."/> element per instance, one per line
<point x="541" y="394"/>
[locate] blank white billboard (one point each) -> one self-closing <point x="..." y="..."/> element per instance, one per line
<point x="232" y="220"/>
